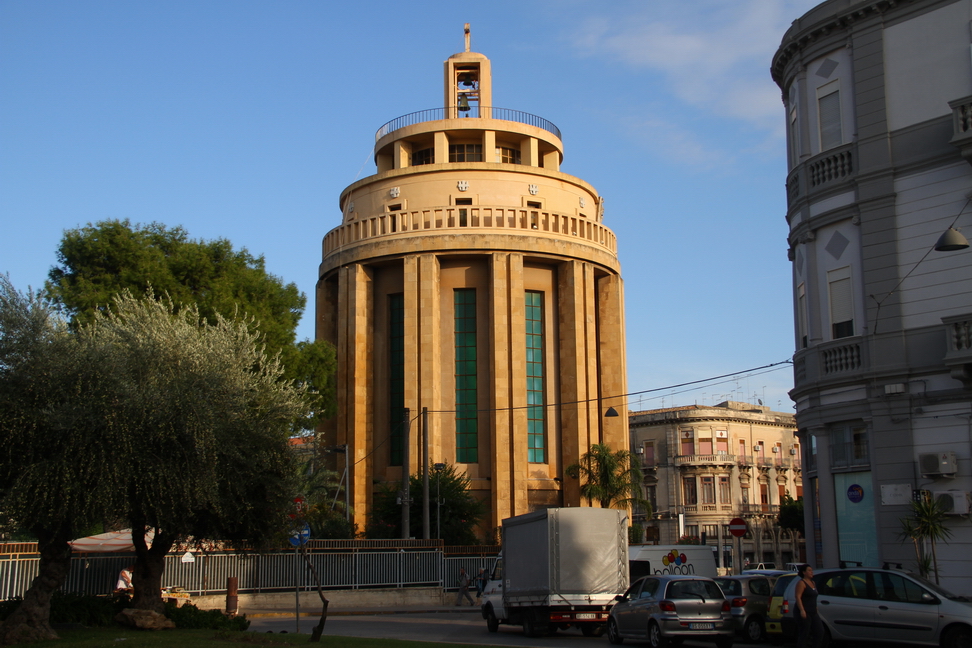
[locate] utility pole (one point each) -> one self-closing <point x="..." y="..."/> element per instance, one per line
<point x="425" y="474"/>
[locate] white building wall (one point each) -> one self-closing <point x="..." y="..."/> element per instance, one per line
<point x="927" y="64"/>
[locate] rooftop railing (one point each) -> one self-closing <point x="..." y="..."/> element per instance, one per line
<point x="474" y="112"/>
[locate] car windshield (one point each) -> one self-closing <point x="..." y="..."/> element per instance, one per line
<point x="697" y="589"/>
<point x="729" y="586"/>
<point x="941" y="591"/>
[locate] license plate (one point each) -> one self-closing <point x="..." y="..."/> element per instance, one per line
<point x="585" y="615"/>
<point x="700" y="626"/>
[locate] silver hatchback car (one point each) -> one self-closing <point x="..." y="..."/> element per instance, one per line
<point x="663" y="607"/>
<point x="861" y="604"/>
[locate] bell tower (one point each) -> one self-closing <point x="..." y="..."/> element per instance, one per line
<point x="472" y="278"/>
<point x="468" y="83"/>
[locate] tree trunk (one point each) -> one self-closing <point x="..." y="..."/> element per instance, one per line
<point x="31" y="621"/>
<point x="149" y="567"/>
<point x="319" y="629"/>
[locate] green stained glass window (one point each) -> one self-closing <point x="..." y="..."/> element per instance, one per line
<point x="536" y="423"/>
<point x="467" y="415"/>
<point x="396" y="373"/>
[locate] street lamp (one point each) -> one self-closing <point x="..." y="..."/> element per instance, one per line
<point x="439" y="467"/>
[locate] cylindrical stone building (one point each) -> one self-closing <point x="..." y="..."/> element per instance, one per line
<point x="471" y="277"/>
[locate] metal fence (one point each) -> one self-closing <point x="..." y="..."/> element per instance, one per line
<point x="266" y="572"/>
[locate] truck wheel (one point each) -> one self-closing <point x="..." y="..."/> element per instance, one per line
<point x="592" y="630"/>
<point x="529" y="626"/>
<point x="612" y="632"/>
<point x="492" y="623"/>
<point x="655" y="638"/>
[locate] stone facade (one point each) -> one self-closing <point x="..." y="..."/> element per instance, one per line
<point x="704" y="466"/>
<point x="877" y="100"/>
<point x="471" y="277"/>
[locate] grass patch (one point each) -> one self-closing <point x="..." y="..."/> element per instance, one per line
<point x="128" y="638"/>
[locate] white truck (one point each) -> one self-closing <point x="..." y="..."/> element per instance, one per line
<point x="559" y="567"/>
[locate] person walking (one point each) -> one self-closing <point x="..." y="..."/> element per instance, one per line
<point x="463" y="588"/>
<point x="809" y="625"/>
<point x="481" y="581"/>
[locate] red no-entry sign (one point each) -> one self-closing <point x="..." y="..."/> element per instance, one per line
<point x="737" y="527"/>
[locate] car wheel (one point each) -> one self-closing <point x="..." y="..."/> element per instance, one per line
<point x="754" y="629"/>
<point x="492" y="623"/>
<point x="957" y="637"/>
<point x="724" y="642"/>
<point x="655" y="638"/>
<point x="614" y="636"/>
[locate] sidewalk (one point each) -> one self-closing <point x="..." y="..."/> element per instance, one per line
<point x="337" y="610"/>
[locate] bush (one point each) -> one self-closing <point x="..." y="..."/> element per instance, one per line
<point x="87" y="610"/>
<point x="189" y="617"/>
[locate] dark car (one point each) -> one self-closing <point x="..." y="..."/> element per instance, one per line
<point x="663" y="607"/>
<point x="748" y="596"/>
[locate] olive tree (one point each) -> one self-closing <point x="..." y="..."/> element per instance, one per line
<point x="149" y="413"/>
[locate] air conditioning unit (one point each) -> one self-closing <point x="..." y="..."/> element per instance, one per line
<point x="938" y="463"/>
<point x="792" y="451"/>
<point x="776" y="449"/>
<point x="953" y="502"/>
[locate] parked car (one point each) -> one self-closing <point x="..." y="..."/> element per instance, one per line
<point x="779" y="627"/>
<point x="664" y="607"/>
<point x="886" y="606"/>
<point x="748" y="596"/>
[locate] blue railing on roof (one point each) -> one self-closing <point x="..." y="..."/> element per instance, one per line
<point x="436" y="114"/>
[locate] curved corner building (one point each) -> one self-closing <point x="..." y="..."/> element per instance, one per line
<point x="878" y="98"/>
<point x="471" y="277"/>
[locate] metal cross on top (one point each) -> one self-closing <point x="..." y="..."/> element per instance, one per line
<point x="466" y="32"/>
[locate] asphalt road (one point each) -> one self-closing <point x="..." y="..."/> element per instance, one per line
<point x="450" y="628"/>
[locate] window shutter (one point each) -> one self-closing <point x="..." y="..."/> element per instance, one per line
<point x="830" y="130"/>
<point x="841" y="302"/>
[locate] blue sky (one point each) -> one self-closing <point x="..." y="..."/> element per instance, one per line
<point x="245" y="120"/>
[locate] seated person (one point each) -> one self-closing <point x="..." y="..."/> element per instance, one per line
<point x="124" y="584"/>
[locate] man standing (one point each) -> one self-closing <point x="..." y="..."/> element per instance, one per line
<point x="481" y="581"/>
<point x="463" y="588"/>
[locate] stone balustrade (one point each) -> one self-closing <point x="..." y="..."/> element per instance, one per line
<point x="451" y="219"/>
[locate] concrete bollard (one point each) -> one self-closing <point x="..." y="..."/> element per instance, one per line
<point x="232" y="595"/>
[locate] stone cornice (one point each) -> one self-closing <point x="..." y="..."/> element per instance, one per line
<point x="845" y="14"/>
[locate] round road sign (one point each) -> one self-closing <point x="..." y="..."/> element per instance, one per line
<point x="737" y="527"/>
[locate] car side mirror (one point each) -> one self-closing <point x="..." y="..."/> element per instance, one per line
<point x="929" y="599"/>
<point x="619" y="597"/>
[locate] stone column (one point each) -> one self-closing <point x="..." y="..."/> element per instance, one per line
<point x="430" y="381"/>
<point x="611" y="360"/>
<point x="576" y="411"/>
<point x="354" y="379"/>
<point x="827" y="504"/>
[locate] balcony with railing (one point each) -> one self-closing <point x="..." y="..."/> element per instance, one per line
<point x="962" y="125"/>
<point x="823" y="172"/>
<point x="471" y="112"/>
<point x="705" y="460"/>
<point x="835" y="361"/>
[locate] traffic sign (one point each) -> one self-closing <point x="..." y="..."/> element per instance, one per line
<point x="300" y="536"/>
<point x="737" y="527"/>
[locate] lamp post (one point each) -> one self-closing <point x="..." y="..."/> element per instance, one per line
<point x="439" y="467"/>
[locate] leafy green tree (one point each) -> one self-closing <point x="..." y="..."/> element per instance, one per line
<point x="449" y="495"/>
<point x="791" y="514"/>
<point x="146" y="413"/>
<point x="322" y="491"/>
<point x="57" y="429"/>
<point x="206" y="419"/>
<point x="97" y="262"/>
<point x="611" y="478"/>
